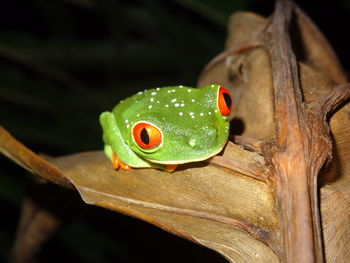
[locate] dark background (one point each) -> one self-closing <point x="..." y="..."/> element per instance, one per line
<point x="62" y="62"/>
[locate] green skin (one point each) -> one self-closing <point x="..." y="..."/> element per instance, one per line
<point x="193" y="129"/>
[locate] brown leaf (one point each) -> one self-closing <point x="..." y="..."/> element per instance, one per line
<point x="248" y="76"/>
<point x="206" y="204"/>
<point x="335" y="210"/>
<point x="25" y="158"/>
<point x="315" y="50"/>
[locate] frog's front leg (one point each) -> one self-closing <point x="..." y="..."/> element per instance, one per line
<point x="114" y="159"/>
<point x="117" y="163"/>
<point x="116" y="145"/>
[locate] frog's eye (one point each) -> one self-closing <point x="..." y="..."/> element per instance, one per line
<point x="224" y="102"/>
<point x="146" y="135"/>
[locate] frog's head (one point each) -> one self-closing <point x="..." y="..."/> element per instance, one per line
<point x="176" y="134"/>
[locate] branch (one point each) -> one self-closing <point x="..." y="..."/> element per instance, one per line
<point x="292" y="155"/>
<point x="328" y="104"/>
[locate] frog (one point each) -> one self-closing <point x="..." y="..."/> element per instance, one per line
<point x="165" y="127"/>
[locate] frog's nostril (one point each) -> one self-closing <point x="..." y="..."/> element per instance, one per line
<point x="192" y="142"/>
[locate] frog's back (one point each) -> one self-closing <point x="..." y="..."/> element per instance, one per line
<point x="172" y="109"/>
<point x="152" y="100"/>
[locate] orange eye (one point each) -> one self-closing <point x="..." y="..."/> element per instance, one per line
<point x="146" y="135"/>
<point x="224" y="102"/>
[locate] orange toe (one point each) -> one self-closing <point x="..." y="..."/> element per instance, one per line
<point x="115" y="162"/>
<point x="170" y="167"/>
<point x="124" y="166"/>
<point x="119" y="164"/>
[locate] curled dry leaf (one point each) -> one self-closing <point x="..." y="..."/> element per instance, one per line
<point x="208" y="204"/>
<point x="184" y="202"/>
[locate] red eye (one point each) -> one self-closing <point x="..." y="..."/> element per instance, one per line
<point x="224" y="102"/>
<point x="146" y="135"/>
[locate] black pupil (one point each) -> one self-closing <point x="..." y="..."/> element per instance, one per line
<point x="144" y="136"/>
<point x="227" y="99"/>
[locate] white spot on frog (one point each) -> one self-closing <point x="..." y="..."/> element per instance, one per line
<point x="182" y="104"/>
<point x="151" y="99"/>
<point x="180" y="113"/>
<point x="209" y="112"/>
<point x="189" y="90"/>
<point x="193" y="100"/>
<point x="157" y="88"/>
<point x="177" y="105"/>
<point x="191" y="113"/>
<point x="153" y="93"/>
<point x="150" y="106"/>
<point x="192" y="142"/>
<point x="126" y="121"/>
<point x="139" y="93"/>
<point x="201" y="114"/>
<point x="166" y="105"/>
<point x="173" y="100"/>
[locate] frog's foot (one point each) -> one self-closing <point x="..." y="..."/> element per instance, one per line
<point x="170" y="167"/>
<point x="117" y="163"/>
<point x="124" y="166"/>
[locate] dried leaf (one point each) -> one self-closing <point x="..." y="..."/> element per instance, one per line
<point x="184" y="202"/>
<point x="335" y="223"/>
<point x="207" y="204"/>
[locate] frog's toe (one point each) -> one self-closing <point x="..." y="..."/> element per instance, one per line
<point x="118" y="163"/>
<point x="124" y="166"/>
<point x="115" y="161"/>
<point x="170" y="167"/>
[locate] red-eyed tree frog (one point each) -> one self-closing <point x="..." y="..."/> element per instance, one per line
<point x="164" y="127"/>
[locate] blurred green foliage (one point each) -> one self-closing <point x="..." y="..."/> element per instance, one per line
<point x="62" y="62"/>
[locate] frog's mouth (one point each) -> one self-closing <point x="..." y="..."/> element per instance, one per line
<point x="189" y="160"/>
